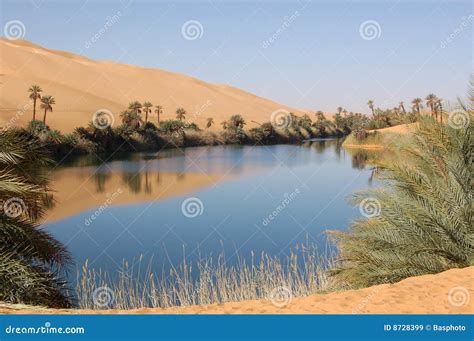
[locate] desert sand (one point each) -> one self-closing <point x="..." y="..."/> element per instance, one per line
<point x="82" y="86"/>
<point x="450" y="292"/>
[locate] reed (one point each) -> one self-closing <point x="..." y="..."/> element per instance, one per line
<point x="303" y="272"/>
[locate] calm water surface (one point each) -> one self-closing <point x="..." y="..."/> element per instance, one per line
<point x="240" y="199"/>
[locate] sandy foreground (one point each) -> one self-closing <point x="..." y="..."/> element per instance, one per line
<point x="82" y="86"/>
<point x="450" y="292"/>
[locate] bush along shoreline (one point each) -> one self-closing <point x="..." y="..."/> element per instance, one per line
<point x="136" y="135"/>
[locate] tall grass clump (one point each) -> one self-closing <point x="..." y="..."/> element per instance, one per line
<point x="425" y="221"/>
<point x="30" y="258"/>
<point x="205" y="282"/>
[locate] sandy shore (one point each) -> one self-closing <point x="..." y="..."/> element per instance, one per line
<point x="450" y="292"/>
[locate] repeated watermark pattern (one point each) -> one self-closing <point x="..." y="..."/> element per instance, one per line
<point x="103" y="119"/>
<point x="21" y="110"/>
<point x="465" y="23"/>
<point x="109" y="22"/>
<point x="370" y="30"/>
<point x="192" y="207"/>
<point x="288" y="198"/>
<point x="103" y="297"/>
<point x="192" y="30"/>
<point x="458" y="119"/>
<point x="14" y="30"/>
<point x="370" y="207"/>
<point x="14" y="207"/>
<point x="280" y="296"/>
<point x="287" y="22"/>
<point x="110" y="198"/>
<point x="458" y="296"/>
<point x="281" y="119"/>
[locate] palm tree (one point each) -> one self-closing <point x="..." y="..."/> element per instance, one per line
<point x="180" y="114"/>
<point x="339" y="110"/>
<point x="370" y="103"/>
<point x="47" y="103"/>
<point x="158" y="112"/>
<point x="431" y="101"/>
<point x="35" y="93"/>
<point x="417" y="104"/>
<point x="31" y="260"/>
<point x="424" y="219"/>
<point x="135" y="107"/>
<point x="439" y="108"/>
<point x="402" y="106"/>
<point x="147" y="109"/>
<point x="210" y="122"/>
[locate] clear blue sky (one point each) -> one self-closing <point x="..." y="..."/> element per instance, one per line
<point x="318" y="61"/>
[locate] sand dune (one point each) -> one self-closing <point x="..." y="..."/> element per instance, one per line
<point x="82" y="86"/>
<point x="450" y="292"/>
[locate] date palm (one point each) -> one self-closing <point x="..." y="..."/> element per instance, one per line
<point x="370" y="103"/>
<point x="30" y="258"/>
<point x="135" y="107"/>
<point x="402" y="106"/>
<point x="180" y="114"/>
<point x="210" y="122"/>
<point x="47" y="103"/>
<point x="424" y="221"/>
<point x="417" y="104"/>
<point x="35" y="94"/>
<point x="158" y="112"/>
<point x="431" y="102"/>
<point x="147" y="109"/>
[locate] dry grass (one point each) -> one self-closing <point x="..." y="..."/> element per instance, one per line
<point x="303" y="273"/>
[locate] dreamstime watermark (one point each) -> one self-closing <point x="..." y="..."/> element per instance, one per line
<point x="370" y="30"/>
<point x="198" y="112"/>
<point x="21" y="110"/>
<point x="47" y="328"/>
<point x="103" y="119"/>
<point x="458" y="119"/>
<point x="466" y="21"/>
<point x="103" y="297"/>
<point x="14" y="207"/>
<point x="370" y="207"/>
<point x="14" y="30"/>
<point x="110" y="198"/>
<point x="458" y="296"/>
<point x="363" y="304"/>
<point x="287" y="21"/>
<point x="192" y="207"/>
<point x="281" y="119"/>
<point x="288" y="198"/>
<point x="192" y="30"/>
<point x="109" y="22"/>
<point x="280" y="296"/>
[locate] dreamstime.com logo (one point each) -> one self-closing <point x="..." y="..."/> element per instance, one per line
<point x="370" y="207"/>
<point x="46" y="329"/>
<point x="458" y="296"/>
<point x="103" y="119"/>
<point x="192" y="30"/>
<point x="281" y="119"/>
<point x="370" y="30"/>
<point x="14" y="207"/>
<point x="280" y="296"/>
<point x="14" y="30"/>
<point x="192" y="207"/>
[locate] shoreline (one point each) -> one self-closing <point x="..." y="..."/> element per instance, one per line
<point x="426" y="294"/>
